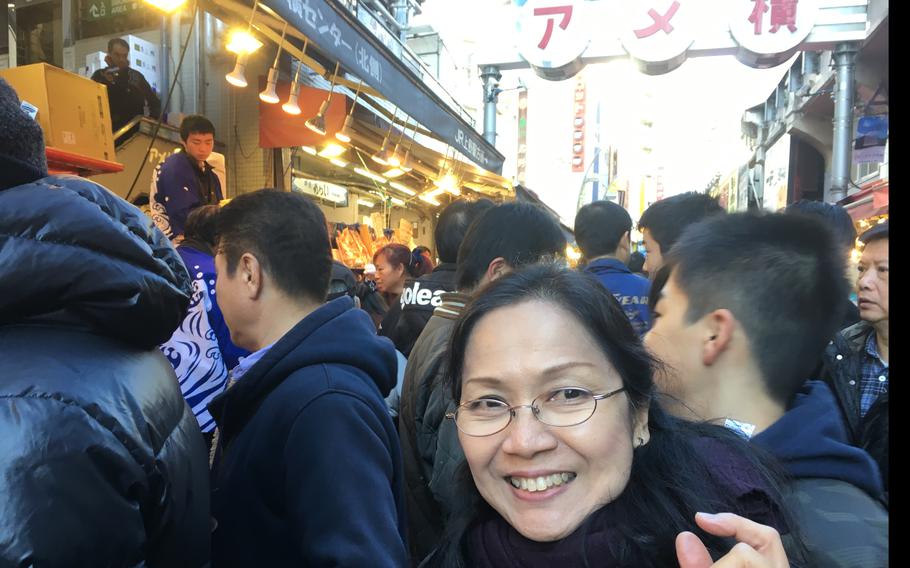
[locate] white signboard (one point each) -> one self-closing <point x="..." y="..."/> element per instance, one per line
<point x="322" y="190"/>
<point x="552" y="35"/>
<point x="658" y="31"/>
<point x="768" y="27"/>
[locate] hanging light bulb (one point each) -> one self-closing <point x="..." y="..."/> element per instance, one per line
<point x="317" y="123"/>
<point x="344" y="135"/>
<point x="270" y="93"/>
<point x="382" y="156"/>
<point x="384" y="153"/>
<point x="237" y="77"/>
<point x="291" y="107"/>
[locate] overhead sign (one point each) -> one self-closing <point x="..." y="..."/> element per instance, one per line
<point x="551" y="36"/>
<point x="769" y="27"/>
<point x="322" y="190"/>
<point x="660" y="34"/>
<point x="659" y="31"/>
<point x="339" y="34"/>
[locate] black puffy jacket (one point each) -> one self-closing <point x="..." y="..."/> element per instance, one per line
<point x="101" y="461"/>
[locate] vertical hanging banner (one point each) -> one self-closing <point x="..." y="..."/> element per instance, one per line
<point x="522" y="136"/>
<point x="578" y="126"/>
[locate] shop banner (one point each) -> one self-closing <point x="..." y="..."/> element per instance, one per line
<point x="777" y="175"/>
<point x="522" y="136"/>
<point x="338" y="33"/>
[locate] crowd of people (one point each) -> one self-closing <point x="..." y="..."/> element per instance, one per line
<point x="212" y="389"/>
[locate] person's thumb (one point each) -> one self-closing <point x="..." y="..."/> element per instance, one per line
<point x="691" y="552"/>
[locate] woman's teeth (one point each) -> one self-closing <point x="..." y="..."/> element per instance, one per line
<point x="533" y="484"/>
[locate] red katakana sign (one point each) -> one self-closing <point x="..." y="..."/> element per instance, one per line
<point x="564" y="11"/>
<point x="661" y="22"/>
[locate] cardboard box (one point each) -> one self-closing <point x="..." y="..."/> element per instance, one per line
<point x="73" y="111"/>
<point x="139" y="46"/>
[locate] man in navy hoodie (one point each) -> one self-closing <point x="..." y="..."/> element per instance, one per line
<point x="746" y="313"/>
<point x="602" y="231"/>
<point x="307" y="466"/>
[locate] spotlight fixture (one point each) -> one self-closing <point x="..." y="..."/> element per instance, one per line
<point x="291" y="107"/>
<point x="237" y="77"/>
<point x="384" y="153"/>
<point x="317" y="123"/>
<point x="270" y="93"/>
<point x="344" y="135"/>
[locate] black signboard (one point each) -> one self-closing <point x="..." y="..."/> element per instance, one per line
<point x="341" y="36"/>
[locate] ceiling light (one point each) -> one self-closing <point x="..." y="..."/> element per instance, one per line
<point x="166" y="6"/>
<point x="402" y="188"/>
<point x="339" y="163"/>
<point x="365" y="203"/>
<point x="429" y="199"/>
<point x="393" y="173"/>
<point x="396" y="201"/>
<point x="369" y="174"/>
<point x="332" y="150"/>
<point x="382" y="156"/>
<point x="242" y="42"/>
<point x="309" y="150"/>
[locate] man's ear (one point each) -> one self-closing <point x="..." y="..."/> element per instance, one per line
<point x="497" y="268"/>
<point x="107" y="59"/>
<point x="718" y="334"/>
<point x="249" y="270"/>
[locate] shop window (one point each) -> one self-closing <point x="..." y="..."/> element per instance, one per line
<point x="40" y="33"/>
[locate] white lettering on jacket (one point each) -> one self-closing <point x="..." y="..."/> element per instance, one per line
<point x="416" y="296"/>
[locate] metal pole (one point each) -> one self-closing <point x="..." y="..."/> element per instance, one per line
<point x="845" y="63"/>
<point x="595" y="190"/>
<point x="401" y="11"/>
<point x="490" y="75"/>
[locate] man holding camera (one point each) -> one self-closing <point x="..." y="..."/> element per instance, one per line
<point x="127" y="89"/>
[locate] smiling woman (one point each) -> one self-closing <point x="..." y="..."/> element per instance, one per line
<point x="568" y="457"/>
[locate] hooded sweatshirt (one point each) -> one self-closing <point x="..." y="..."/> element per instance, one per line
<point x="630" y="290"/>
<point x="836" y="487"/>
<point x="310" y="468"/>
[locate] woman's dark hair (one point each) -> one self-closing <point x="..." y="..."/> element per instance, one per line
<point x="636" y="262"/>
<point x="670" y="479"/>
<point x="423" y="259"/>
<point x="201" y="226"/>
<point x="397" y="255"/>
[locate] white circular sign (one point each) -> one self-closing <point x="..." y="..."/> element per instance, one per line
<point x="658" y="31"/>
<point x="771" y="27"/>
<point x="552" y="35"/>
